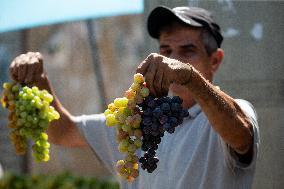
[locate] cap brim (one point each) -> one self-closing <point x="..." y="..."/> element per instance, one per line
<point x="161" y="16"/>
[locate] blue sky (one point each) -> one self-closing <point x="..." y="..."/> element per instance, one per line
<point x="20" y="14"/>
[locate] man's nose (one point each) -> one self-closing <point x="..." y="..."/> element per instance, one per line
<point x="175" y="55"/>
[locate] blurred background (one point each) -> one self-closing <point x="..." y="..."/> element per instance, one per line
<point x="91" y="50"/>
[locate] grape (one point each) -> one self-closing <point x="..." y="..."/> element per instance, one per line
<point x="152" y="104"/>
<point x="148" y="112"/>
<point x="119" y="165"/>
<point x="131" y="104"/>
<point x="130" y="94"/>
<point x="121" y="102"/>
<point x="173" y="121"/>
<point x="135" y="173"/>
<point x="111" y="120"/>
<point x="122" y="148"/>
<point x="135" y="87"/>
<point x="111" y="107"/>
<point x="131" y="148"/>
<point x="138" y="133"/>
<point x="171" y="130"/>
<point x="138" y="78"/>
<point x="139" y="99"/>
<point x="163" y="119"/>
<point x="165" y="107"/>
<point x="7" y="86"/>
<point x="121" y="135"/>
<point x="166" y="126"/>
<point x="107" y="111"/>
<point x="147" y="121"/>
<point x="120" y="115"/>
<point x="138" y="143"/>
<point x="144" y="92"/>
<point x="157" y="112"/>
<point x="126" y="128"/>
<point x="29" y="115"/>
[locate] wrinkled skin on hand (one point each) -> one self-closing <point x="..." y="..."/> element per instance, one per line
<point x="27" y="68"/>
<point x="160" y="72"/>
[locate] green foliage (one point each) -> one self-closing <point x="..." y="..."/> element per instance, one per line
<point x="61" y="181"/>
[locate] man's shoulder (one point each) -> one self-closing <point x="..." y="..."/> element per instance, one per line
<point x="246" y="106"/>
<point x="243" y="102"/>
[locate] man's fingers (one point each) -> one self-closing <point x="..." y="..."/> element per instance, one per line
<point x="149" y="78"/>
<point x="166" y="79"/>
<point x="29" y="76"/>
<point x="142" y="68"/>
<point x="158" y="81"/>
<point x="26" y="68"/>
<point x="155" y="72"/>
<point x="30" y="54"/>
<point x="22" y="71"/>
<point x="12" y="73"/>
<point x="16" y="69"/>
<point x="165" y="86"/>
<point x="39" y="57"/>
<point x="21" y="67"/>
<point x="38" y="70"/>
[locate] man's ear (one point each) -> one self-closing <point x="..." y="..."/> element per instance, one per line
<point x="216" y="59"/>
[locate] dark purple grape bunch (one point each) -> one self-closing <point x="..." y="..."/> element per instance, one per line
<point x="159" y="115"/>
<point x="149" y="160"/>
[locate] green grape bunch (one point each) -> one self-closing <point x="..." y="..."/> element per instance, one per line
<point x="125" y="114"/>
<point x="30" y="113"/>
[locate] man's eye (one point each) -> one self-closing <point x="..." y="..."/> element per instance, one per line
<point x="165" y="52"/>
<point x="189" y="52"/>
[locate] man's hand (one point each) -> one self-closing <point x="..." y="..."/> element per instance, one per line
<point x="27" y="68"/>
<point x="160" y="71"/>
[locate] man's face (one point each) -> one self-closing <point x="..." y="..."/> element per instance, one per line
<point x="185" y="44"/>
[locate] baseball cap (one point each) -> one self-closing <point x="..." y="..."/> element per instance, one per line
<point x="192" y="16"/>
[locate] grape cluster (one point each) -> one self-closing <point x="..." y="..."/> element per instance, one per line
<point x="29" y="116"/>
<point x="160" y="115"/>
<point x="125" y="114"/>
<point x="141" y="121"/>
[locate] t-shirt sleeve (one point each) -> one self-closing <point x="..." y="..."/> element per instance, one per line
<point x="101" y="138"/>
<point x="231" y="158"/>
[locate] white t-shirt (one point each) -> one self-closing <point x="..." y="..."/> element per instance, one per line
<point x="194" y="156"/>
<point x="1" y="171"/>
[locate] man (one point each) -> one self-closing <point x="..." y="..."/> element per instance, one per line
<point x="215" y="147"/>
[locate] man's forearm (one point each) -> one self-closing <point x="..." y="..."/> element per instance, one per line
<point x="226" y="117"/>
<point x="63" y="130"/>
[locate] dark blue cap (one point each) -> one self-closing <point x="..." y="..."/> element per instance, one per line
<point x="192" y="16"/>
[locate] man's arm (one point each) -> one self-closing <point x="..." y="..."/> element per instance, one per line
<point x="222" y="111"/>
<point x="28" y="69"/>
<point x="62" y="131"/>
